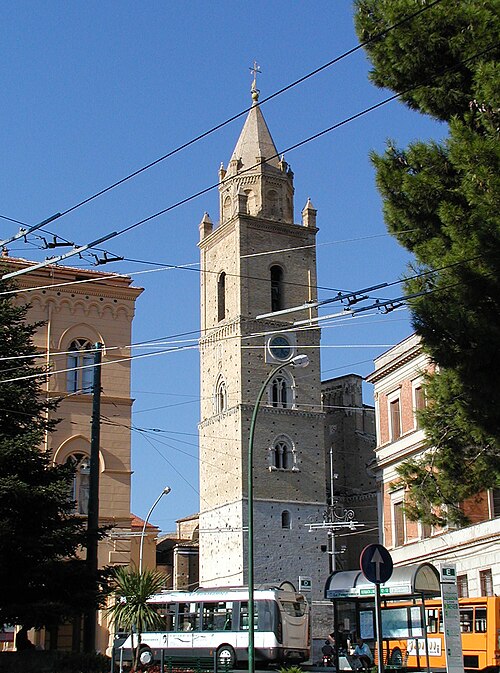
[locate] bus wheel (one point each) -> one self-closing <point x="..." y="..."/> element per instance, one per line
<point x="145" y="656"/>
<point x="396" y="658"/>
<point x="226" y="657"/>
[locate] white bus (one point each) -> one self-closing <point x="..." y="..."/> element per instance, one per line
<point x="214" y="622"/>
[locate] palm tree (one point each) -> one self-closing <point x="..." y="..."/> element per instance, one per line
<point x="131" y="610"/>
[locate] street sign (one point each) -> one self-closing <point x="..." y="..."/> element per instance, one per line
<point x="376" y="563"/>
<point x="305" y="583"/>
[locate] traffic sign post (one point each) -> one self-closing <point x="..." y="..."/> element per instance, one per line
<point x="376" y="565"/>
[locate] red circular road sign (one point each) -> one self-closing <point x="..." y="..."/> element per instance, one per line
<point x="376" y="563"/>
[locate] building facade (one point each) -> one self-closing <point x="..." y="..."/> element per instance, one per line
<point x="79" y="308"/>
<point x="257" y="260"/>
<point x="399" y="394"/>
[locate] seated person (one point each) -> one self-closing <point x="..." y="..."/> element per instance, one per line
<point x="363" y="654"/>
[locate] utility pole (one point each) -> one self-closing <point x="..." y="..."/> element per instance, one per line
<point x="93" y="509"/>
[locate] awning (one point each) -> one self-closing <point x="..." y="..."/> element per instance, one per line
<point x="417" y="579"/>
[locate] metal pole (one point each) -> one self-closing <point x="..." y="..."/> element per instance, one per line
<point x="93" y="506"/>
<point x="300" y="361"/>
<point x="165" y="491"/>
<point x="378" y="629"/>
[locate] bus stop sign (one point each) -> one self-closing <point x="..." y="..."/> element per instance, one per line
<point x="376" y="563"/>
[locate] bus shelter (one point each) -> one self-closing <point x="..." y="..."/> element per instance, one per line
<point x="403" y="612"/>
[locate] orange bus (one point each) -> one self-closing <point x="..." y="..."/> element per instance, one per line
<point x="404" y="637"/>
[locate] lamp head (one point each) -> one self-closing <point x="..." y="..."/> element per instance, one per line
<point x="299" y="361"/>
<point x="166" y="490"/>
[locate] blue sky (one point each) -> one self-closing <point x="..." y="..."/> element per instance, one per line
<point x="92" y="91"/>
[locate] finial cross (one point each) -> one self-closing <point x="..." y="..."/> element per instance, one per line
<point x="255" y="71"/>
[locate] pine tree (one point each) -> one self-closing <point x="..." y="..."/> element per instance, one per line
<point x="43" y="581"/>
<point x="442" y="203"/>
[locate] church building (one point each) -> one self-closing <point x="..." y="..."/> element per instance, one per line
<point x="258" y="260"/>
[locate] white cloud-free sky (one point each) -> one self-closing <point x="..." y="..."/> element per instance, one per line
<point x="92" y="91"/>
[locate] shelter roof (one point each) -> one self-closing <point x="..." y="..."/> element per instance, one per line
<point x="416" y="579"/>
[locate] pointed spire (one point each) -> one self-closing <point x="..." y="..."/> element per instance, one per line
<point x="206" y="226"/>
<point x="309" y="214"/>
<point x="255" y="143"/>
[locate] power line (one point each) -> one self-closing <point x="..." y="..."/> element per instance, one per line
<point x="295" y="146"/>
<point x="217" y="127"/>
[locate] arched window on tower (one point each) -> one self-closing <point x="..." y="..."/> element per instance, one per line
<point x="286" y="519"/>
<point x="282" y="454"/>
<point x="226" y="208"/>
<point x="221" y="297"/>
<point x="280" y="391"/>
<point x="79" y="364"/>
<point x="220" y="396"/>
<point x="276" y="288"/>
<point x="80" y="485"/>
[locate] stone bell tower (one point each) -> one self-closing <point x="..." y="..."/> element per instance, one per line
<point x="257" y="261"/>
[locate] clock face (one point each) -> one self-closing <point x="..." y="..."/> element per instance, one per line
<point x="280" y="348"/>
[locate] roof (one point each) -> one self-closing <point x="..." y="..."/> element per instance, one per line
<point x="137" y="522"/>
<point x="255" y="141"/>
<point x="416" y="579"/>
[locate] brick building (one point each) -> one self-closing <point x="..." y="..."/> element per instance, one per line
<point x="399" y="393"/>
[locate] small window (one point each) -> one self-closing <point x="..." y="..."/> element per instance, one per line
<point x="280" y="392"/>
<point x="276" y="288"/>
<point x="221" y="297"/>
<point x="495" y="502"/>
<point x="486" y="582"/>
<point x="81" y="482"/>
<point x="462" y="586"/>
<point x="395" y="418"/>
<point x="425" y="530"/>
<point x="282" y="455"/>
<point x="480" y="620"/>
<point x="286" y="520"/>
<point x="80" y="362"/>
<point x="466" y="620"/>
<point x="399" y="524"/>
<point x="419" y="403"/>
<point x="220" y="396"/>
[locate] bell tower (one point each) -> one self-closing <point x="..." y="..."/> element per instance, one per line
<point x="255" y="261"/>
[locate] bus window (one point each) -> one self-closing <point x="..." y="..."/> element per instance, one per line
<point x="244" y="616"/>
<point x="432" y="620"/>
<point x="466" y="619"/>
<point x="188" y="617"/>
<point x="217" y="616"/>
<point x="167" y="613"/>
<point x="480" y="620"/>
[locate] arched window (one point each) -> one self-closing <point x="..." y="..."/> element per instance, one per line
<point x="276" y="288"/>
<point x="80" y="486"/>
<point x="220" y="396"/>
<point x="282" y="455"/>
<point x="280" y="392"/>
<point x="221" y="297"/>
<point x="226" y="208"/>
<point x="79" y="363"/>
<point x="286" y="519"/>
<point x="272" y="203"/>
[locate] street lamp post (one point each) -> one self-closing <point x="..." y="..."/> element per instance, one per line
<point x="165" y="491"/>
<point x="297" y="361"/>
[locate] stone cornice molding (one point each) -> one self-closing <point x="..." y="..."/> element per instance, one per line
<point x="222" y="331"/>
<point x="90" y="299"/>
<point x="282" y="412"/>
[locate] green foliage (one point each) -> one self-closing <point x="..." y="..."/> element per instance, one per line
<point x="42" y="579"/>
<point x="442" y="203"/>
<point x="131" y="610"/>
<point x="290" y="669"/>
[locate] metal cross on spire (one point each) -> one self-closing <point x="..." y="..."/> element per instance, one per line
<point x="255" y="70"/>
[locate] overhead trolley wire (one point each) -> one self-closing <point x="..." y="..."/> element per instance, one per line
<point x="295" y="146"/>
<point x="199" y="137"/>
